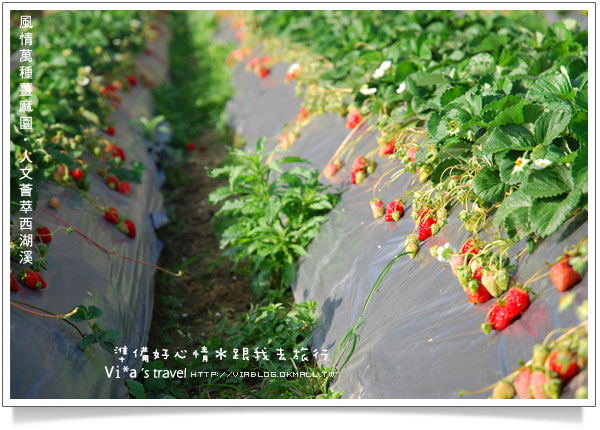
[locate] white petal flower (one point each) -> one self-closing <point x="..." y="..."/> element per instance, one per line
<point x="83" y="80"/>
<point x="293" y="68"/>
<point x="378" y="73"/>
<point x="366" y="91"/>
<point x="541" y="163"/>
<point x="520" y="163"/>
<point x="445" y="253"/>
<point x="401" y="88"/>
<point x="385" y="65"/>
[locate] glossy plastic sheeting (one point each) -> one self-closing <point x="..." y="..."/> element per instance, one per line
<point x="421" y="337"/>
<point x="45" y="359"/>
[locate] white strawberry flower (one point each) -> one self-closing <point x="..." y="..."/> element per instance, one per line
<point x="520" y="164"/>
<point x="541" y="163"/>
<point x="83" y="80"/>
<point x="366" y="91"/>
<point x="378" y="73"/>
<point x="401" y="88"/>
<point x="445" y="253"/>
<point x="293" y="68"/>
<point x="385" y="65"/>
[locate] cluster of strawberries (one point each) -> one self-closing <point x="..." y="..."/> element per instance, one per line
<point x="123" y="224"/>
<point x="261" y="66"/>
<point x="109" y="91"/>
<point x="388" y="149"/>
<point x="550" y="369"/>
<point x="29" y="278"/>
<point x="392" y="212"/>
<point x="361" y="168"/>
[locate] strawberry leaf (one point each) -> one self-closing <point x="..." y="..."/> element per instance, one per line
<point x="549" y="182"/>
<point x="508" y="137"/>
<point x="548" y="214"/>
<point x="550" y="85"/>
<point x="550" y="125"/>
<point x="579" y="170"/>
<point x="512" y="202"/>
<point x="488" y="186"/>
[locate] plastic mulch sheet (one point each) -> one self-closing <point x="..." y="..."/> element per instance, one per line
<point x="421" y="337"/>
<point x="45" y="359"/>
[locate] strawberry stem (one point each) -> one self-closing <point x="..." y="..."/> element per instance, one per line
<point x="47" y="314"/>
<point x="108" y="251"/>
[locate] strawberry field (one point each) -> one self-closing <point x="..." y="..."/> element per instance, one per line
<point x="397" y="199"/>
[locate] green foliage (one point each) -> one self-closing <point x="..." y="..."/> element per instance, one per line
<point x="269" y="216"/>
<point x="195" y="97"/>
<point x="98" y="335"/>
<point x="502" y="95"/>
<point x="74" y="53"/>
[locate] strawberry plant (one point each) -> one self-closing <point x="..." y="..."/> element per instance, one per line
<point x="267" y="215"/>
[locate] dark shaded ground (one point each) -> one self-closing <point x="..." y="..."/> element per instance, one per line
<point x="187" y="308"/>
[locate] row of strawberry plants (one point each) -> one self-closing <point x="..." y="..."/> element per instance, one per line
<point x="490" y="110"/>
<point x="81" y="63"/>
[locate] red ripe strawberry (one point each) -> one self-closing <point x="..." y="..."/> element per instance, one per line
<point x="411" y="153"/>
<point x="302" y="114"/>
<point x="563" y="275"/>
<point x="353" y="118"/>
<point x="14" y="284"/>
<point x="521" y="384"/>
<point x="481" y="295"/>
<point x="425" y="224"/>
<point x="394" y="211"/>
<point x="478" y="274"/>
<point x="253" y="62"/>
<point x="516" y="301"/>
<point x="117" y="152"/>
<point x="34" y="280"/>
<point x="263" y="72"/>
<point x="536" y="385"/>
<point x="148" y="51"/>
<point x="124" y="188"/>
<point x="132" y="80"/>
<point x="266" y="59"/>
<point x="190" y="146"/>
<point x="564" y="363"/>
<point x="359" y="163"/>
<point x="77" y="174"/>
<point x="498" y="316"/>
<point x="112" y="182"/>
<point x="389" y="148"/>
<point x="110" y="130"/>
<point x="44" y="235"/>
<point x="130" y="228"/>
<point x="469" y="247"/>
<point x="112" y="215"/>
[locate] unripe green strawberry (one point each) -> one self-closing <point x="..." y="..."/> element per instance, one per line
<point x="464" y="275"/>
<point x="581" y="392"/>
<point x="359" y="176"/>
<point x="433" y="251"/>
<point x="371" y="165"/>
<point x="583" y="247"/>
<point x="552" y="388"/>
<point x="502" y="277"/>
<point x="425" y="173"/>
<point x="540" y="353"/>
<point x="503" y="390"/>
<point x="435" y="228"/>
<point x="489" y="282"/>
<point x="412" y="245"/>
